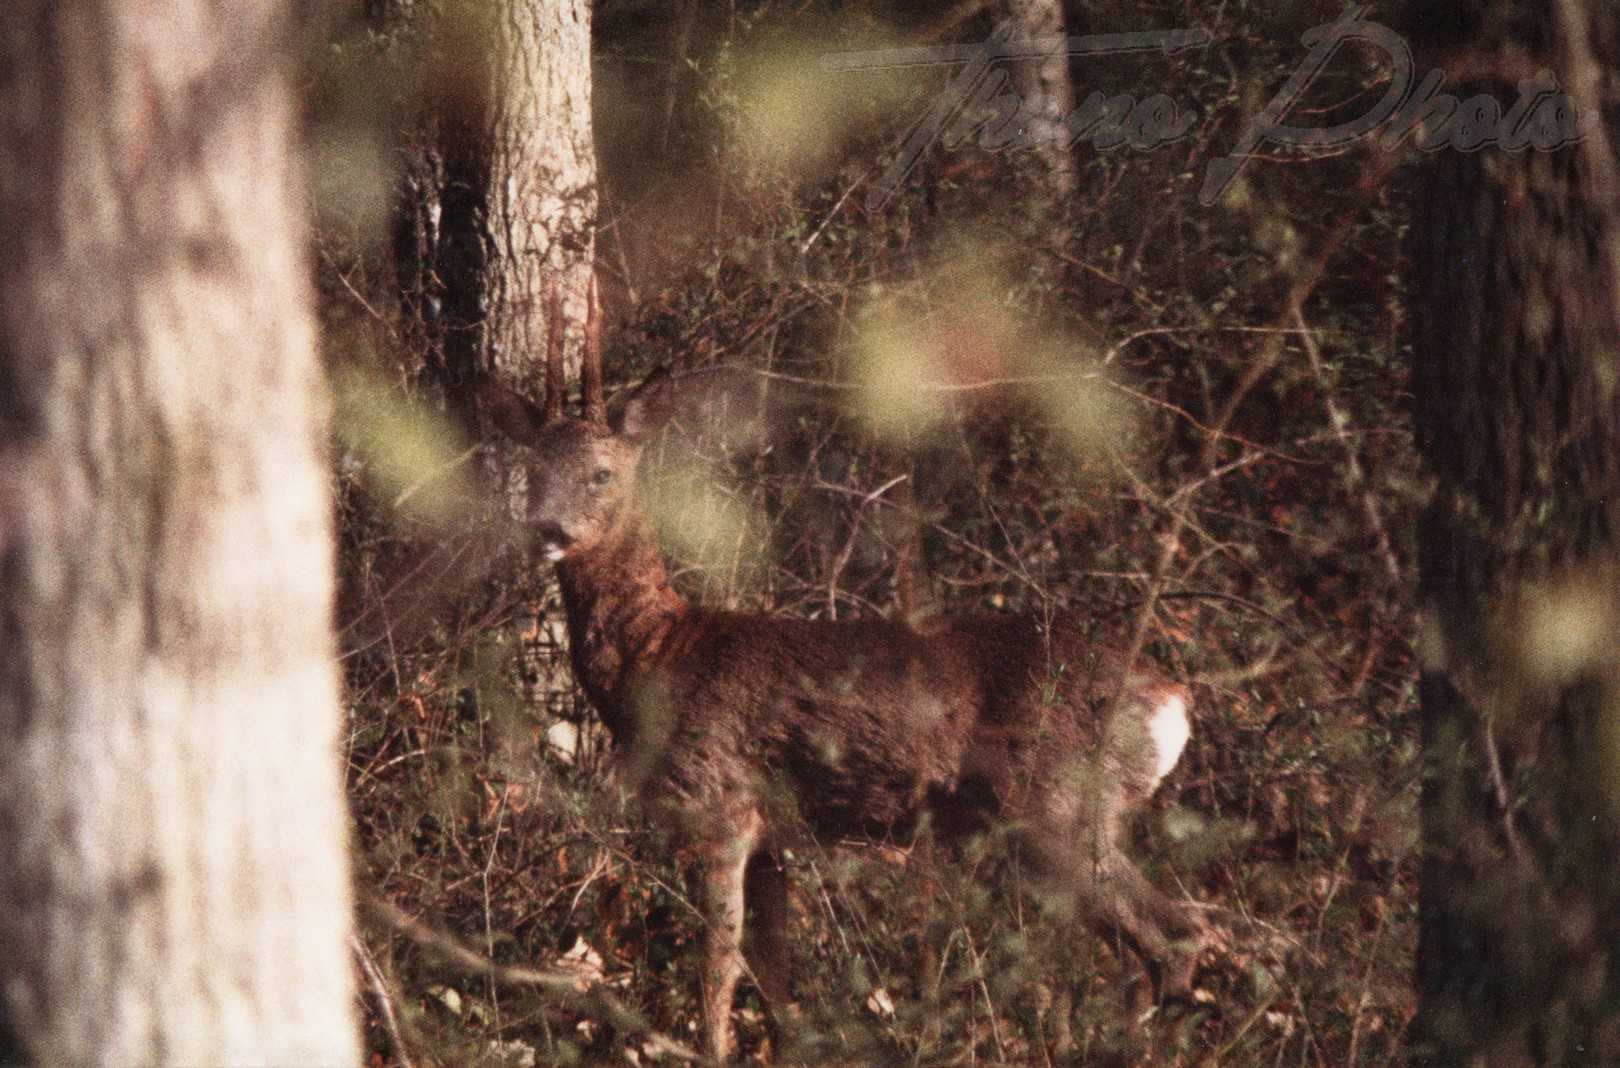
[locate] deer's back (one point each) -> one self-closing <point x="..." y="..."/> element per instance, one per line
<point x="863" y="725"/>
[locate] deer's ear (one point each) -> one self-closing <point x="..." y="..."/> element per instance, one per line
<point x="514" y="415"/>
<point x="647" y="407"/>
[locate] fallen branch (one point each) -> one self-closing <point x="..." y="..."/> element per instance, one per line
<point x="573" y="988"/>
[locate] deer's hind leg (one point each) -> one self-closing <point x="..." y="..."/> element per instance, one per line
<point x="721" y="863"/>
<point x="1117" y="898"/>
<point x="1077" y="844"/>
<point x="766" y="893"/>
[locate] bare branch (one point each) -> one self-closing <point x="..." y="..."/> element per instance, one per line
<point x="554" y="359"/>
<point x="570" y="985"/>
<point x="590" y="367"/>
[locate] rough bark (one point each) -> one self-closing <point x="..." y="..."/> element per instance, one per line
<point x="1516" y="279"/>
<point x="518" y="234"/>
<point x="172" y="831"/>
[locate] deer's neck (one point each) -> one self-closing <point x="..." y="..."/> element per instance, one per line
<point x="621" y="610"/>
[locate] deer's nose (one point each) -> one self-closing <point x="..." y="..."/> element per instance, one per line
<point x="553" y="537"/>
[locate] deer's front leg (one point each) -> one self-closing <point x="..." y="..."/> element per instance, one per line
<point x="922" y="863"/>
<point x="722" y="865"/>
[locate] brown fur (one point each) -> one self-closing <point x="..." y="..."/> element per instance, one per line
<point x="740" y="730"/>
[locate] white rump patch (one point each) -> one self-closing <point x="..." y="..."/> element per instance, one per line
<point x="1169" y="729"/>
<point x="563" y="738"/>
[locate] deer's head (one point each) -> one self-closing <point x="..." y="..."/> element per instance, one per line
<point x="581" y="471"/>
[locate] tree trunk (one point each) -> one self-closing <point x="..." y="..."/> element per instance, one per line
<point x="518" y="227"/>
<point x="518" y="234"/>
<point x="414" y="224"/>
<point x="172" y="830"/>
<point x="1048" y="95"/>
<point x="1516" y="273"/>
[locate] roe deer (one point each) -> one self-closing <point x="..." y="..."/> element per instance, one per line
<point x="973" y="722"/>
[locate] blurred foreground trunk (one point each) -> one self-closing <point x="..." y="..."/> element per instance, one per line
<point x="172" y="832"/>
<point x="1516" y="271"/>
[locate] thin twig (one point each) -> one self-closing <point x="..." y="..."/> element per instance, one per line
<point x="1504" y="802"/>
<point x="1354" y="476"/>
<point x="804" y="246"/>
<point x="383" y="999"/>
<point x="837" y="569"/>
<point x="489" y="929"/>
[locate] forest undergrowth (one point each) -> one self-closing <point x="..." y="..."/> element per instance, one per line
<point x="1126" y="405"/>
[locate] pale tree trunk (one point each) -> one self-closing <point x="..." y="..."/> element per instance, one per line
<point x="1516" y="278"/>
<point x="173" y="857"/>
<point x="518" y="225"/>
<point x="1048" y="95"/>
<point x="518" y="231"/>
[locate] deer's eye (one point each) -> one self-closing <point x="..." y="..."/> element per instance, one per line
<point x="602" y="478"/>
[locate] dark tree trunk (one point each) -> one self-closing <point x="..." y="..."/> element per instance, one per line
<point x="1516" y="279"/>
<point x="414" y="226"/>
<point x="172" y="831"/>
